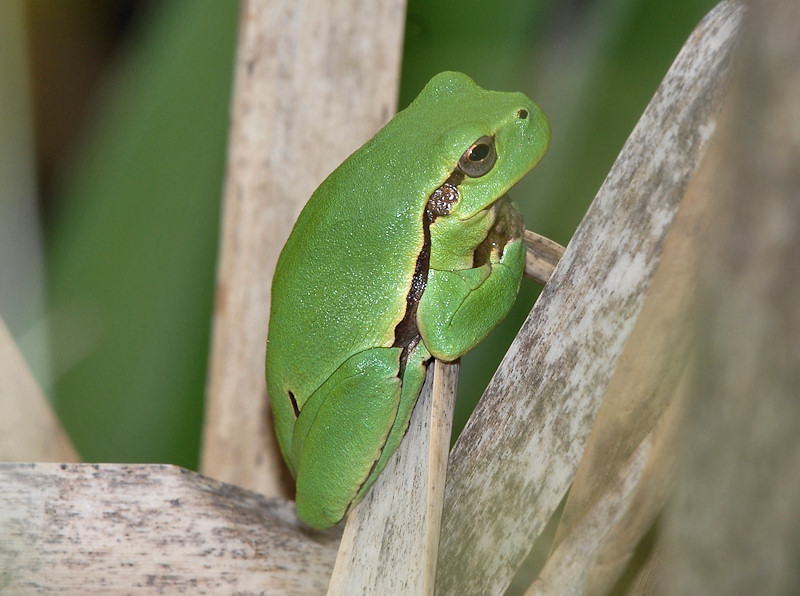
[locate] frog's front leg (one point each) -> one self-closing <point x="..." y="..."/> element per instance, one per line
<point x="461" y="306"/>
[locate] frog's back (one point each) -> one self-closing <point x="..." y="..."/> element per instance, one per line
<point x="333" y="293"/>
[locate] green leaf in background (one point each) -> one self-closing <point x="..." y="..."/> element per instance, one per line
<point x="133" y="242"/>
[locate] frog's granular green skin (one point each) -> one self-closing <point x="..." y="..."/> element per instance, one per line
<point x="408" y="250"/>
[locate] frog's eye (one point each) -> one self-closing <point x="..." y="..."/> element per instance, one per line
<point x="479" y="158"/>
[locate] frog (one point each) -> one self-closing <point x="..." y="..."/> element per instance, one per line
<point x="410" y="250"/>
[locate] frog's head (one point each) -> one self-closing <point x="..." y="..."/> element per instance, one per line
<point x="489" y="140"/>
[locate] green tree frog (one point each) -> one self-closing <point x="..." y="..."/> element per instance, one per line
<point x="409" y="250"/>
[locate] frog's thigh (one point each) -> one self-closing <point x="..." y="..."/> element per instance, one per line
<point x="341" y="431"/>
<point x="459" y="308"/>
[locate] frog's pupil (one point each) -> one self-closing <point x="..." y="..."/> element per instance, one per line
<point x="479" y="152"/>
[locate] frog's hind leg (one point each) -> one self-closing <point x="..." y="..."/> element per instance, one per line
<point x="341" y="432"/>
<point x="413" y="380"/>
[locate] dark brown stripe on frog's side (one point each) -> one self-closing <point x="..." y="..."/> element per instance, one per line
<point x="440" y="202"/>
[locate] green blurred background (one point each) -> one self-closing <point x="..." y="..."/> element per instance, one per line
<point x="113" y="124"/>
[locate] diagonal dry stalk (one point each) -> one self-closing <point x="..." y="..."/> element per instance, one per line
<point x="519" y="452"/>
<point x="29" y="429"/>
